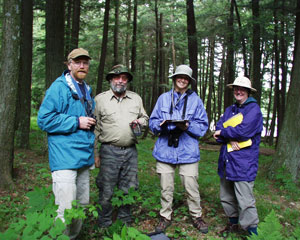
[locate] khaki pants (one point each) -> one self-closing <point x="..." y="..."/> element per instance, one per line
<point x="238" y="200"/>
<point x="69" y="185"/>
<point x="189" y="178"/>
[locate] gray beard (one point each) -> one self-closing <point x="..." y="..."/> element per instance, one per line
<point x="118" y="89"/>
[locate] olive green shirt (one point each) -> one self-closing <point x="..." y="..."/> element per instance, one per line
<point x="114" y="116"/>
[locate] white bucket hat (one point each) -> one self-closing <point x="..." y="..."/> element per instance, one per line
<point x="242" y="82"/>
<point x="183" y="70"/>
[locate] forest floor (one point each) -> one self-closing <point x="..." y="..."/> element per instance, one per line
<point x="31" y="170"/>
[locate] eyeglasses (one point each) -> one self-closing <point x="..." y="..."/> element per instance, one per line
<point x="78" y="63"/>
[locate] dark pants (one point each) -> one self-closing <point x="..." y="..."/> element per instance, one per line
<point x="118" y="168"/>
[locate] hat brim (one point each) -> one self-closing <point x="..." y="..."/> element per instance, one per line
<point x="109" y="76"/>
<point x="82" y="56"/>
<point x="182" y="73"/>
<point x="232" y="85"/>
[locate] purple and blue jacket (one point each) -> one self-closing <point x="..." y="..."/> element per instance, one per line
<point x="240" y="165"/>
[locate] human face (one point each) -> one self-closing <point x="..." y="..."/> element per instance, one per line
<point x="79" y="68"/>
<point x="181" y="83"/>
<point x="118" y="83"/>
<point x="240" y="94"/>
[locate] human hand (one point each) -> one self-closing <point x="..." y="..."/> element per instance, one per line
<point x="235" y="145"/>
<point x="97" y="161"/>
<point x="86" y="122"/>
<point x="217" y="134"/>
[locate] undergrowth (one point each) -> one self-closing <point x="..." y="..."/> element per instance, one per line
<point x="28" y="211"/>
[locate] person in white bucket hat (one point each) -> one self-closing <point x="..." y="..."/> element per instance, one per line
<point x="239" y="132"/>
<point x="179" y="118"/>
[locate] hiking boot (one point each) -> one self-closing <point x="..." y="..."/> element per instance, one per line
<point x="162" y="225"/>
<point x="201" y="225"/>
<point x="230" y="228"/>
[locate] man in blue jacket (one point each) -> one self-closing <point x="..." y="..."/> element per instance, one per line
<point x="179" y="118"/>
<point x="66" y="114"/>
<point x="237" y="164"/>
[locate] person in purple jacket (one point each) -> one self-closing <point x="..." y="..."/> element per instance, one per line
<point x="238" y="167"/>
<point x="179" y="118"/>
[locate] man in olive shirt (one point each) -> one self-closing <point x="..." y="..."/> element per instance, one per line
<point x="115" y="110"/>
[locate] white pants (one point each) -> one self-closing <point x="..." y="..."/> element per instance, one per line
<point x="189" y="178"/>
<point x="69" y="185"/>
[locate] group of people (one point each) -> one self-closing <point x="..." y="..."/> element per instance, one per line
<point x="77" y="123"/>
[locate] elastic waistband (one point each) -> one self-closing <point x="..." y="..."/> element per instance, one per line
<point x="119" y="147"/>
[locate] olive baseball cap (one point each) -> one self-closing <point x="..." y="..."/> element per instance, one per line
<point x="78" y="52"/>
<point x="117" y="70"/>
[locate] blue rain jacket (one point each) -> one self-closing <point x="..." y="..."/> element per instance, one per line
<point x="188" y="148"/>
<point x="69" y="147"/>
<point x="240" y="165"/>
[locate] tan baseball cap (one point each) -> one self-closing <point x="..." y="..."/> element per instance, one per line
<point x="78" y="52"/>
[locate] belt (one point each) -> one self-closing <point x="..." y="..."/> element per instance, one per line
<point x="119" y="147"/>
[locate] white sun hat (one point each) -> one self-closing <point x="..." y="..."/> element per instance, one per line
<point x="242" y="82"/>
<point x="183" y="70"/>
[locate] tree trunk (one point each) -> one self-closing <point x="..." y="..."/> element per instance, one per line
<point x="127" y="47"/>
<point x="24" y="84"/>
<point x="54" y="39"/>
<point x="256" y="59"/>
<point x="154" y="85"/>
<point x="162" y="87"/>
<point x="75" y="24"/>
<point x="192" y="41"/>
<point x="116" y="33"/>
<point x="229" y="73"/>
<point x="9" y="60"/>
<point x="211" y="79"/>
<point x="68" y="28"/>
<point x="134" y="32"/>
<point x="277" y="101"/>
<point x="244" y="48"/>
<point x="103" y="47"/>
<point x="283" y="66"/>
<point x="288" y="151"/>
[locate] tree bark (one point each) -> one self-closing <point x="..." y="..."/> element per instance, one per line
<point x="256" y="59"/>
<point x="192" y="41"/>
<point x="244" y="48"/>
<point x="127" y="45"/>
<point x="211" y="79"/>
<point x="75" y="24"/>
<point x="162" y="87"/>
<point x="54" y="39"/>
<point x="288" y="151"/>
<point x="24" y="84"/>
<point x="134" y="32"/>
<point x="103" y="47"/>
<point x="116" y="33"/>
<point x="229" y="73"/>
<point x="9" y="60"/>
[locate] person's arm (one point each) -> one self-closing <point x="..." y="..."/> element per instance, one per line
<point x="251" y="125"/>
<point x="97" y="133"/>
<point x="156" y="119"/>
<point x="198" y="124"/>
<point x="143" y="118"/>
<point x="51" y="116"/>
